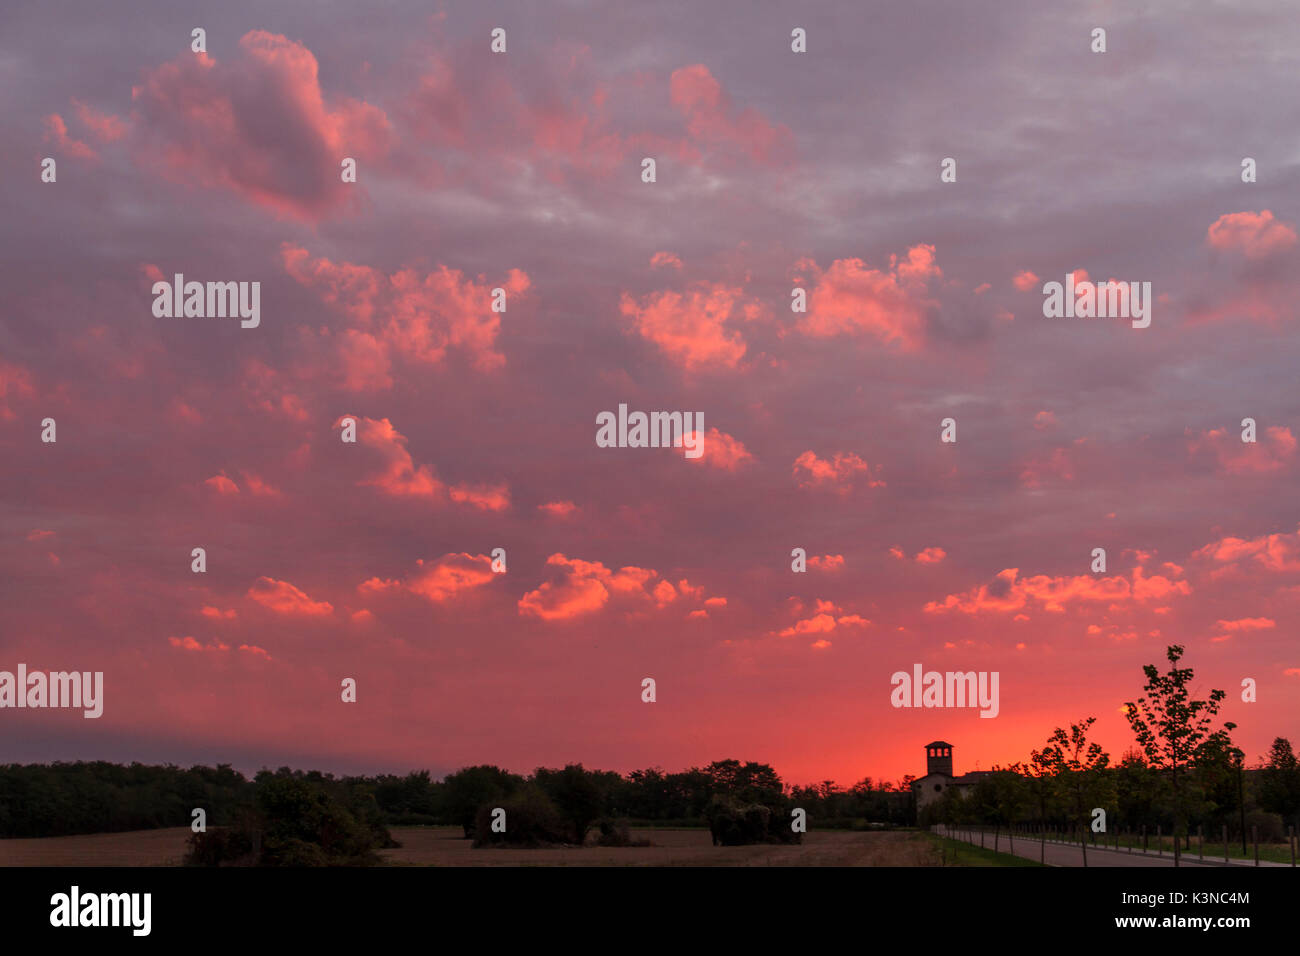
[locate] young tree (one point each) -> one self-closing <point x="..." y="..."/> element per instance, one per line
<point x="1079" y="771"/>
<point x="1040" y="783"/>
<point x="1173" y="730"/>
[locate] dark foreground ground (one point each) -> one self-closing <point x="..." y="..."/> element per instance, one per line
<point x="444" y="846"/>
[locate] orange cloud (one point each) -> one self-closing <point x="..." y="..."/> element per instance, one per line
<point x="1248" y="624"/>
<point x="826" y="618"/>
<point x="721" y="450"/>
<point x="400" y="477"/>
<point x="582" y="587"/>
<point x="216" y="614"/>
<point x="440" y="580"/>
<point x="206" y="122"/>
<point x="483" y="497"/>
<point x="691" y="328"/>
<point x="1008" y="592"/>
<point x="827" y="562"/>
<point x="1254" y="235"/>
<point x="283" y="598"/>
<point x="850" y="298"/>
<point x="418" y="317"/>
<point x="1274" y="450"/>
<point x="190" y="644"/>
<point x="1274" y="552"/>
<point x="838" y="473"/>
<point x="931" y="556"/>
<point x="215" y="647"/>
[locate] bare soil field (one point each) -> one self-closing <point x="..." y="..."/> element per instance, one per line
<point x="133" y="848"/>
<point x="445" y="846"/>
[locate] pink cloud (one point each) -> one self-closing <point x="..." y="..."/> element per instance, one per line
<point x="15" y="382"/>
<point x="483" y="497"/>
<point x="216" y="647"/>
<point x="440" y="580"/>
<point x="851" y="298"/>
<point x="721" y="450"/>
<point x="1273" y="552"/>
<point x="691" y="327"/>
<point x="558" y="509"/>
<point x="260" y="488"/>
<point x="1275" y="450"/>
<point x="1024" y="281"/>
<point x="259" y="126"/>
<point x="713" y="122"/>
<point x="1248" y="624"/>
<point x="418" y="317"/>
<point x="191" y="644"/>
<point x="931" y="556"/>
<point x="267" y="390"/>
<point x="399" y="477"/>
<point x="283" y="598"/>
<point x="222" y="485"/>
<point x="559" y="127"/>
<point x="662" y="259"/>
<point x="1008" y="592"/>
<point x="839" y="473"/>
<point x="582" y="587"/>
<point x="103" y="126"/>
<point x="56" y="135"/>
<point x="827" y="562"/>
<point x="1039" y="471"/>
<point x="216" y="614"/>
<point x="1254" y="235"/>
<point x="827" y="617"/>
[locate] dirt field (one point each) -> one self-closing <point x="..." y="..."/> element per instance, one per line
<point x="444" y="846"/>
<point x="134" y="848"/>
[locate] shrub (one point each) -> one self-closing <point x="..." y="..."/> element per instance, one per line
<point x="616" y="833"/>
<point x="531" y="820"/>
<point x="221" y="846"/>
<point x="733" y="823"/>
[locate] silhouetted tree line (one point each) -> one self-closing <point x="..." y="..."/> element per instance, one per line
<point x="263" y="819"/>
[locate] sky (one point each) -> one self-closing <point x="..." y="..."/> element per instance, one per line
<point x="476" y="429"/>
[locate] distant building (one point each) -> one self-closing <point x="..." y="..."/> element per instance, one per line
<point x="939" y="776"/>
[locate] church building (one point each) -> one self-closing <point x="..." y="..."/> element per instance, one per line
<point x="939" y="776"/>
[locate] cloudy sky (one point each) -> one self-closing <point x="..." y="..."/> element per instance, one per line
<point x="476" y="429"/>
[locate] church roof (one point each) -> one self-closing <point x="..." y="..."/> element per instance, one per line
<point x="939" y="743"/>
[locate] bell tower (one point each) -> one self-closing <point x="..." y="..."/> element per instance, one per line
<point x="938" y="758"/>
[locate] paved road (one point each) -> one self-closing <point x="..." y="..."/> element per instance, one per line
<point x="1069" y="854"/>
